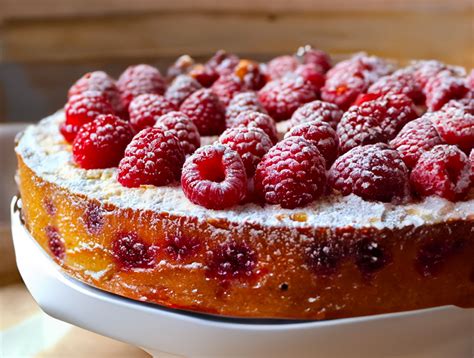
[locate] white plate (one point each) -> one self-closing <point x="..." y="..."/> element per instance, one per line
<point x="437" y="332"/>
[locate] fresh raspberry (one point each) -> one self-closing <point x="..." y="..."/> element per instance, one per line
<point x="183" y="128"/>
<point x="366" y="97"/>
<point x="180" y="67"/>
<point x="206" y="111"/>
<point x="231" y="260"/>
<point x="455" y="126"/>
<point x="223" y="63"/>
<point x="311" y="74"/>
<point x="250" y="143"/>
<point x="317" y="111"/>
<point x="254" y="119"/>
<point x="291" y="174"/>
<point x="281" y="65"/>
<point x="443" y="171"/>
<point x="140" y="79"/>
<point x="319" y="58"/>
<point x="153" y="157"/>
<point x="204" y="75"/>
<point x="399" y="110"/>
<point x="226" y="87"/>
<point x="101" y="82"/>
<point x="282" y="97"/>
<point x="471" y="159"/>
<point x="442" y="88"/>
<point x="470" y="80"/>
<point x="373" y="172"/>
<point x="81" y="109"/>
<point x="181" y="88"/>
<point x="399" y="82"/>
<point x="415" y="138"/>
<point x="244" y="101"/>
<point x="321" y="134"/>
<point x="425" y="69"/>
<point x="145" y="110"/>
<point x="214" y="177"/>
<point x="250" y="74"/>
<point x="465" y="104"/>
<point x="101" y="143"/>
<point x="131" y="252"/>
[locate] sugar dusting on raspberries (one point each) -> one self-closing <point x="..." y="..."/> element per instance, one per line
<point x="206" y="111"/>
<point x="399" y="82"/>
<point x="250" y="143"/>
<point x="244" y="101"/>
<point x="231" y="260"/>
<point x="214" y="177"/>
<point x="226" y="87"/>
<point x="183" y="128"/>
<point x="223" y="62"/>
<point x="153" y="157"/>
<point x="317" y="111"/>
<point x="373" y="172"/>
<point x="101" y="143"/>
<point x="455" y="126"/>
<point x="145" y="110"/>
<point x="281" y="65"/>
<point x="444" y="171"/>
<point x="292" y="173"/>
<point x="443" y="87"/>
<point x="254" y="119"/>
<point x="132" y="252"/>
<point x="315" y="57"/>
<point x="322" y="135"/>
<point x="311" y="74"/>
<point x="55" y="242"/>
<point x="250" y="74"/>
<point x="181" y="88"/>
<point x="281" y="98"/>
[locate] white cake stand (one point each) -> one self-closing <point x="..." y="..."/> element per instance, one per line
<point x="438" y="332"/>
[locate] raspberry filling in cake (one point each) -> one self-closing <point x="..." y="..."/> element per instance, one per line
<point x="287" y="189"/>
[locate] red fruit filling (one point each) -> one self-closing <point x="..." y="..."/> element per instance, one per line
<point x="131" y="252"/>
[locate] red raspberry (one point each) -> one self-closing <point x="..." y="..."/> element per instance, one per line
<point x="455" y="126"/>
<point x="291" y="174"/>
<point x="101" y="143"/>
<point x="181" y="88"/>
<point x="140" y="79"/>
<point x="443" y="171"/>
<point x="282" y="97"/>
<point x="244" y="101"/>
<point x="373" y="172"/>
<point x="254" y="119"/>
<point x="204" y="75"/>
<point x="317" y="111"/>
<point x="312" y="74"/>
<point x="153" y="157"/>
<point x="183" y="128"/>
<point x="250" y="74"/>
<point x="470" y="80"/>
<point x="322" y="135"/>
<point x="425" y="70"/>
<point x="131" y="252"/>
<point x="471" y="159"/>
<point x="281" y="65"/>
<point x="442" y="88"/>
<point x="226" y="87"/>
<point x="465" y="104"/>
<point x="101" y="82"/>
<point x="81" y="109"/>
<point x="414" y="139"/>
<point x="319" y="58"/>
<point x="214" y="177"/>
<point x="399" y="82"/>
<point x="206" y="111"/>
<point x="399" y="110"/>
<point x="145" y="110"/>
<point x="222" y="62"/>
<point x="250" y="143"/>
<point x="180" y="67"/>
<point x="230" y="261"/>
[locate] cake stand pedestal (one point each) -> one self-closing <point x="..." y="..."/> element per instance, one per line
<point x="437" y="332"/>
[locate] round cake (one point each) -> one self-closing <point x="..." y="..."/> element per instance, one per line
<point x="182" y="190"/>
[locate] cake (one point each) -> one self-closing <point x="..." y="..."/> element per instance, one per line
<point x="335" y="191"/>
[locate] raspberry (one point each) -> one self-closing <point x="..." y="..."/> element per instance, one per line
<point x="131" y="252"/>
<point x="471" y="159"/>
<point x="455" y="126"/>
<point x="399" y="110"/>
<point x="250" y="143"/>
<point x="282" y="97"/>
<point x="399" y="82"/>
<point x="81" y="109"/>
<point x="425" y="70"/>
<point x="226" y="87"/>
<point x="231" y="261"/>
<point x="250" y="74"/>
<point x="244" y="101"/>
<point x="180" y="67"/>
<point x="291" y="174"/>
<point x="222" y="62"/>
<point x="93" y="218"/>
<point x="281" y="65"/>
<point x="181" y="88"/>
<point x="214" y="177"/>
<point x="153" y="157"/>
<point x="254" y="119"/>
<point x="415" y="138"/>
<point x="311" y="74"/>
<point x="55" y="242"/>
<point x="181" y="247"/>
<point x="140" y="79"/>
<point x="319" y="58"/>
<point x="204" y="75"/>
<point x="183" y="128"/>
<point x="443" y="171"/>
<point x="373" y="172"/>
<point x="371" y="256"/>
<point x="317" y="111"/>
<point x="322" y="135"/>
<point x="465" y="104"/>
<point x="145" y="110"/>
<point x="324" y="258"/>
<point x="101" y="82"/>
<point x="101" y="143"/>
<point x="442" y="88"/>
<point x="206" y="111"/>
<point x="470" y="80"/>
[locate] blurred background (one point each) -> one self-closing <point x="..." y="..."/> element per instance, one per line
<point x="46" y="45"/>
